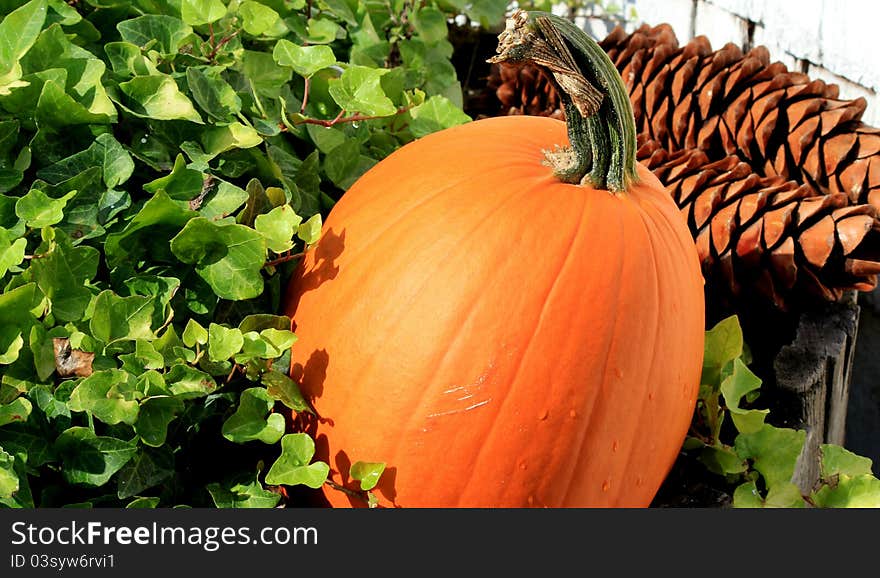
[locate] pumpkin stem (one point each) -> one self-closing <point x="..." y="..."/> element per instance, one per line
<point x="601" y="127"/>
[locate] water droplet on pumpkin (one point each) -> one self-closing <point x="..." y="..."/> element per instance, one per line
<point x="523" y="466"/>
<point x="606" y="485"/>
<point x="639" y="481"/>
<point x="615" y="446"/>
<point x="531" y="500"/>
<point x="650" y="396"/>
<point x="572" y="414"/>
<point x="543" y="415"/>
<point x="618" y="372"/>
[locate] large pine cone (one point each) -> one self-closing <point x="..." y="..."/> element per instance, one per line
<point x="778" y="178"/>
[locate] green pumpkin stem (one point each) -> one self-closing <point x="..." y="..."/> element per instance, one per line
<point x="601" y="128"/>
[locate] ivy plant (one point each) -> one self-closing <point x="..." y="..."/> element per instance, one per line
<point x="755" y="459"/>
<point x="163" y="165"/>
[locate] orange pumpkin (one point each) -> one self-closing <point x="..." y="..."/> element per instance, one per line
<point x="497" y="337"/>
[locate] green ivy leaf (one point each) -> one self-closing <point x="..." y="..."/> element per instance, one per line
<point x="17" y="410"/>
<point x="188" y="382"/>
<point x="278" y="226"/>
<point x="122" y="318"/>
<point x="111" y="395"/>
<point x="430" y="23"/>
<point x="18" y="32"/>
<point x="89" y="459"/>
<point x="253" y="420"/>
<point x="281" y="388"/>
<point x="228" y="256"/>
<point x="368" y="473"/>
<point x="723" y="344"/>
<point x="154" y="416"/>
<point x="62" y="272"/>
<point x="198" y="12"/>
<point x="293" y="468"/>
<point x="310" y="231"/>
<point x="305" y="60"/>
<point x="147" y="469"/>
<point x="212" y="93"/>
<point x="9" y="482"/>
<point x="12" y="251"/>
<point x="260" y="20"/>
<point x="194" y="334"/>
<point x="435" y="114"/>
<point x="142" y="503"/>
<point x="165" y="33"/>
<point x="182" y="183"/>
<point x="862" y="491"/>
<point x="248" y="494"/>
<point x="839" y="461"/>
<point x="38" y="210"/>
<point x="223" y="342"/>
<point x="773" y="450"/>
<point x="157" y="97"/>
<point x="359" y="89"/>
<point x="737" y="385"/>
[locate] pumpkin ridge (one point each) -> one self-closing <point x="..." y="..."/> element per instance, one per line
<point x="404" y="214"/>
<point x="647" y="217"/>
<point x="588" y="422"/>
<point x="513" y="379"/>
<point x="377" y="356"/>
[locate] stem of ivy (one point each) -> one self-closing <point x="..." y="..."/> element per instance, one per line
<point x="341" y="119"/>
<point x="284" y="259"/>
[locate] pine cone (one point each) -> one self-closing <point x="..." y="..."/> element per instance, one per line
<point x="729" y="103"/>
<point x="524" y="90"/>
<point x="772" y="170"/>
<point x="767" y="237"/>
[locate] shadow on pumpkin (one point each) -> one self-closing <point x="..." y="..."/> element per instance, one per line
<point x="324" y="268"/>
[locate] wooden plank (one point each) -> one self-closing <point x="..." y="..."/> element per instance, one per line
<point x="817" y="367"/>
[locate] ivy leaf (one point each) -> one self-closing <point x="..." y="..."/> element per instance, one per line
<point x="142" y="503"/>
<point x="368" y="473"/>
<point x="182" y="183"/>
<point x="17" y="410"/>
<point x="89" y="459"/>
<point x="248" y="494"/>
<point x="188" y="382"/>
<point x="194" y="334"/>
<point x="157" y="97"/>
<point x="110" y="395"/>
<point x="773" y="450"/>
<point x="62" y="272"/>
<point x="164" y="32"/>
<point x="147" y="469"/>
<point x="38" y="210"/>
<point x="862" y="491"/>
<point x="436" y="113"/>
<point x="430" y="23"/>
<point x="735" y="386"/>
<point x="154" y="416"/>
<point x="223" y="342"/>
<point x="838" y="461"/>
<point x="278" y="226"/>
<point x="359" y="89"/>
<point x="293" y="468"/>
<point x="198" y="12"/>
<point x="12" y="251"/>
<point x="228" y="256"/>
<point x="260" y="20"/>
<point x="310" y="231"/>
<point x="305" y="60"/>
<point x="252" y="420"/>
<point x="117" y="318"/>
<point x="9" y="482"/>
<point x="281" y="388"/>
<point x="212" y="93"/>
<point x="18" y="32"/>
<point x="148" y="232"/>
<point x="723" y="344"/>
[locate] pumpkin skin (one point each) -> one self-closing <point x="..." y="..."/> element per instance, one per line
<point x="499" y="338"/>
